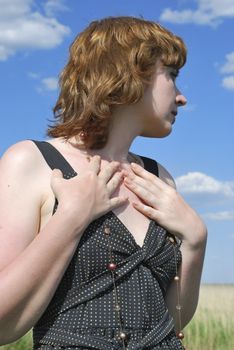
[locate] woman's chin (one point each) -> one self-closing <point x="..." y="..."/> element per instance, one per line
<point x="158" y="133"/>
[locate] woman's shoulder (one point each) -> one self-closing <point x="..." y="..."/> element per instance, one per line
<point x="166" y="176"/>
<point x="21" y="158"/>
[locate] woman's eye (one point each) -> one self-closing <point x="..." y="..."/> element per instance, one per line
<point x="174" y="75"/>
<point x="173" y="72"/>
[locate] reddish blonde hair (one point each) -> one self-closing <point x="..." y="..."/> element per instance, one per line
<point x="110" y="64"/>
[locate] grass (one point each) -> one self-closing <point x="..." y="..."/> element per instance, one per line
<point x="212" y="327"/>
<point x="24" y="343"/>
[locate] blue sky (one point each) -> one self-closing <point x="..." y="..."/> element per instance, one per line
<point x="34" y="40"/>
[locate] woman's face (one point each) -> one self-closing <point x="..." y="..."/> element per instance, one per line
<point x="160" y="103"/>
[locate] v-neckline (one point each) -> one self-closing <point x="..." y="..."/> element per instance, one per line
<point x="112" y="213"/>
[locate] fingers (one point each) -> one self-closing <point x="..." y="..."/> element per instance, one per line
<point x="117" y="202"/>
<point x="114" y="182"/>
<point x="143" y="178"/>
<point x="56" y="174"/>
<point x="137" y="183"/>
<point x="95" y="164"/>
<point x="108" y="171"/>
<point x="55" y="177"/>
<point x="136" y="180"/>
<point x="143" y="173"/>
<point x="146" y="210"/>
<point x="143" y="192"/>
<point x="104" y="173"/>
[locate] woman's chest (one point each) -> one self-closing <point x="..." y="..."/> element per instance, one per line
<point x="136" y="223"/>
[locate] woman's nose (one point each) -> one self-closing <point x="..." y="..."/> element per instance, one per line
<point x="180" y="99"/>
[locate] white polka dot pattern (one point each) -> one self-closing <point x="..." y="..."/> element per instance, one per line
<point x="83" y="302"/>
<point x="81" y="314"/>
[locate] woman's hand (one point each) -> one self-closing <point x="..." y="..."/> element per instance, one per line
<point x="165" y="205"/>
<point x="162" y="203"/>
<point x="88" y="196"/>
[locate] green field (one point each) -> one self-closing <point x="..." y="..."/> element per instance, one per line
<point x="212" y="327"/>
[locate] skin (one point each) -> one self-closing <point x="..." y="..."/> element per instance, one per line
<point x="160" y="100"/>
<point x="40" y="246"/>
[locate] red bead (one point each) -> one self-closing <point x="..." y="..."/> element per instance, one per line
<point x="112" y="266"/>
<point x="180" y="335"/>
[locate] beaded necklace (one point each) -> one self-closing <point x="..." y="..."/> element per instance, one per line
<point x="122" y="335"/>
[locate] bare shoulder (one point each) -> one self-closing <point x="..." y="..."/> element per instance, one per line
<point x="20" y="156"/>
<point x="21" y="194"/>
<point x="22" y="172"/>
<point x="166" y="176"/>
<point x="22" y="167"/>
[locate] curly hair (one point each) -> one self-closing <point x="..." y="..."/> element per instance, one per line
<point x="110" y="63"/>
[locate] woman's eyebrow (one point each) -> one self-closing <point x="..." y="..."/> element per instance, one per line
<point x="175" y="70"/>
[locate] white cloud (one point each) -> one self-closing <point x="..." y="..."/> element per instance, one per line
<point x="21" y="28"/>
<point x="33" y="75"/>
<point x="14" y="8"/>
<point x="44" y="84"/>
<point x="5" y="52"/>
<point x="189" y="107"/>
<point x="208" y="12"/>
<point x="220" y="216"/>
<point x="50" y="83"/>
<point x="228" y="66"/>
<point x="53" y="6"/>
<point x="185" y="16"/>
<point x="212" y="198"/>
<point x="228" y="82"/>
<point x="199" y="183"/>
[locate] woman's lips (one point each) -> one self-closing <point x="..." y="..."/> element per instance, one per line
<point x="174" y="113"/>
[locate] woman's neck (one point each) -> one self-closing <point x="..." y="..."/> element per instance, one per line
<point x="125" y="126"/>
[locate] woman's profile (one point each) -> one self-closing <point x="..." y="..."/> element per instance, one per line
<point x="98" y="249"/>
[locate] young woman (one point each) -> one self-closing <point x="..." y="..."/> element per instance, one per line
<point x="98" y="250"/>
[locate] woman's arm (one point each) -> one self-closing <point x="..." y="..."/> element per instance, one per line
<point x="193" y="253"/>
<point x="32" y="263"/>
<point x="165" y="205"/>
<point x="190" y="276"/>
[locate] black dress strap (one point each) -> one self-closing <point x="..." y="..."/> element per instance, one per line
<point x="150" y="165"/>
<point x="55" y="159"/>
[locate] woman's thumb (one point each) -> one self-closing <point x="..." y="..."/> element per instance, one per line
<point x="56" y="174"/>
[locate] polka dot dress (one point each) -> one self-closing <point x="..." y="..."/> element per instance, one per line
<point x="81" y="314"/>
